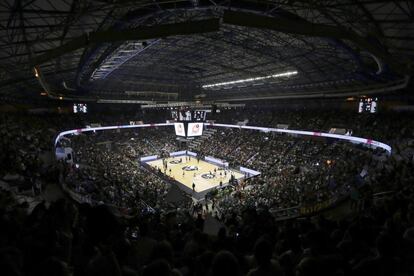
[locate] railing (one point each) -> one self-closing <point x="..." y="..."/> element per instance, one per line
<point x="299" y="211"/>
<point x="286" y="213"/>
<point x="378" y="197"/>
<point x="78" y="197"/>
<point x="317" y="207"/>
<point x="352" y="139"/>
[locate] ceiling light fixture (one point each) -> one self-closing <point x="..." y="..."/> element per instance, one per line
<point x="285" y="74"/>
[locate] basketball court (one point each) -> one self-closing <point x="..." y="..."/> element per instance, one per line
<point x="188" y="170"/>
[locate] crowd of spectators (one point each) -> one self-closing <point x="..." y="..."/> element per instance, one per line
<point x="294" y="171"/>
<point x="25" y="146"/>
<point x="108" y="169"/>
<point x="68" y="238"/>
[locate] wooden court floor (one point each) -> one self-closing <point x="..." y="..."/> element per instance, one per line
<point x="201" y="173"/>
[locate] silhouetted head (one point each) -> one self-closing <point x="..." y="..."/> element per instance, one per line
<point x="158" y="267"/>
<point x="225" y="264"/>
<point x="308" y="266"/>
<point x="52" y="267"/>
<point x="263" y="251"/>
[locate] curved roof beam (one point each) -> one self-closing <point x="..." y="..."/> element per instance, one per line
<point x="111" y="35"/>
<point x="303" y="27"/>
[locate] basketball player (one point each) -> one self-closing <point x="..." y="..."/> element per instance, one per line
<point x="193" y="187"/>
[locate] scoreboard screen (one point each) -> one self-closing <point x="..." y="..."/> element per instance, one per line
<point x="185" y="115"/>
<point x="188" y="122"/>
<point x="80" y="108"/>
<point x="368" y="105"/>
<point x="188" y="115"/>
<point x="195" y="129"/>
<point x="174" y="114"/>
<point x="179" y="129"/>
<point x="199" y="116"/>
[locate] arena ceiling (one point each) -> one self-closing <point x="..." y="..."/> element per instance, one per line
<point x="209" y="50"/>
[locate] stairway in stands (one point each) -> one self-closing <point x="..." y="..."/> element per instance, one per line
<point x="207" y="133"/>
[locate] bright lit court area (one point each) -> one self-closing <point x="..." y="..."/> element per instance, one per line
<point x="189" y="170"/>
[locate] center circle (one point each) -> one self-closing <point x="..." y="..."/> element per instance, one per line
<point x="208" y="176"/>
<point x="190" y="168"/>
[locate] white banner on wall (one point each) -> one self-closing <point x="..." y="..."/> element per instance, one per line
<point x="178" y="153"/>
<point x="149" y="158"/>
<point x="249" y="171"/>
<point x="65" y="154"/>
<point x="216" y="161"/>
<point x="191" y="153"/>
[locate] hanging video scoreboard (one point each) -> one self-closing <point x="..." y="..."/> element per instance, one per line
<point x="179" y="129"/>
<point x="80" y="108"/>
<point x="187" y="115"/>
<point x="368" y="105"/>
<point x="189" y="123"/>
<point x="199" y="115"/>
<point x="194" y="129"/>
